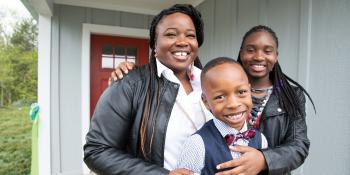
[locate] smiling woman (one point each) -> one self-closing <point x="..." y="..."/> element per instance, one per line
<point x="177" y="45"/>
<point x="133" y="132"/>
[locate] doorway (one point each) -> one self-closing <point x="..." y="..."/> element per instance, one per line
<point x="106" y="53"/>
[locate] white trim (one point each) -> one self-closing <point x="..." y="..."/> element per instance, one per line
<point x="43" y="7"/>
<point x="44" y="94"/>
<point x="88" y="29"/>
<point x="136" y="6"/>
<point x="305" y="43"/>
<point x="304" y="50"/>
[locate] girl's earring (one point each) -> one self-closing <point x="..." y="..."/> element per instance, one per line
<point x="190" y="71"/>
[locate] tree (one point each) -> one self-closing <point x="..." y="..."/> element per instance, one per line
<point x="25" y="35"/>
<point x="18" y="64"/>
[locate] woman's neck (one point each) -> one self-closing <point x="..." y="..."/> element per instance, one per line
<point x="260" y="83"/>
<point x="185" y="81"/>
<point x="260" y="86"/>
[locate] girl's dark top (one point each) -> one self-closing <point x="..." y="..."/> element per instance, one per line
<point x="286" y="136"/>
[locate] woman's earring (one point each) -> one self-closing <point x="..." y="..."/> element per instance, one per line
<point x="190" y="71"/>
<point x="155" y="53"/>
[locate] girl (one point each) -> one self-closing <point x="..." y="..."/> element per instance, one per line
<point x="278" y="112"/>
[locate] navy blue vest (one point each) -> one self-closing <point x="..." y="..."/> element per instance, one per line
<point x="216" y="149"/>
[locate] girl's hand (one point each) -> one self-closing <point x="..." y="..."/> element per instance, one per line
<point x="122" y="69"/>
<point x="251" y="162"/>
<point x="181" y="171"/>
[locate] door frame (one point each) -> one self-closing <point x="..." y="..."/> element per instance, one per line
<point x="87" y="30"/>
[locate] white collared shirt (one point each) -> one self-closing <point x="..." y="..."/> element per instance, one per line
<point x="193" y="154"/>
<point x="187" y="110"/>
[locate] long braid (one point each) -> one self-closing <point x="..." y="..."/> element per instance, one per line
<point x="285" y="91"/>
<point x="148" y="121"/>
<point x="281" y="82"/>
<point x="147" y="117"/>
<point x="302" y="88"/>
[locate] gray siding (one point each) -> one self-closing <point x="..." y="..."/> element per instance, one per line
<point x="66" y="78"/>
<point x="69" y="72"/>
<point x="329" y="84"/>
<point x="226" y="21"/>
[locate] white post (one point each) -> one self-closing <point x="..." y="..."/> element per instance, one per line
<point x="44" y="92"/>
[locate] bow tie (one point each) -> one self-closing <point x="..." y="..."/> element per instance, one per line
<point x="230" y="139"/>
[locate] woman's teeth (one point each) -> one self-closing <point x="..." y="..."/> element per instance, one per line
<point x="180" y="54"/>
<point x="258" y="65"/>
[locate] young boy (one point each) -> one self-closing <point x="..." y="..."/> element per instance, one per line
<point x="226" y="93"/>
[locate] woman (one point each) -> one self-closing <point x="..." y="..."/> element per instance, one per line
<point x="141" y="122"/>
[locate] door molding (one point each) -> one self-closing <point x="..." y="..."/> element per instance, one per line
<point x="87" y="30"/>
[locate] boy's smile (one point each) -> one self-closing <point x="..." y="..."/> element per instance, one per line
<point x="226" y="93"/>
<point x="236" y="116"/>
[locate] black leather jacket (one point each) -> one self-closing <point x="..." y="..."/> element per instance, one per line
<point x="112" y="143"/>
<point x="287" y="137"/>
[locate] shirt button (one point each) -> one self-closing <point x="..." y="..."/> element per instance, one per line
<point x="279" y="109"/>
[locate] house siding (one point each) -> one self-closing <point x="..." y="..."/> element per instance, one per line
<point x="329" y="85"/>
<point x="226" y="21"/>
<point x="314" y="44"/>
<point x="66" y="46"/>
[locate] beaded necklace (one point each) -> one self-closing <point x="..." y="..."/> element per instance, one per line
<point x="259" y="104"/>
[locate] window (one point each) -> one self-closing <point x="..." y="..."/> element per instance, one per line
<point x="114" y="55"/>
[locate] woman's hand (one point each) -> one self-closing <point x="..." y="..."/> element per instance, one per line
<point x="181" y="171"/>
<point x="251" y="162"/>
<point x="122" y="68"/>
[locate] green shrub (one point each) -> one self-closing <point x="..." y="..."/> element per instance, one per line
<point x="15" y="141"/>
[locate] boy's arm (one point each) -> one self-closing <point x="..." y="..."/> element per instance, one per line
<point x="192" y="154"/>
<point x="122" y="69"/>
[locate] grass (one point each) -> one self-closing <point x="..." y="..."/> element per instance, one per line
<point x="15" y="141"/>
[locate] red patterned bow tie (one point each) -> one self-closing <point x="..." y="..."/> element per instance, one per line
<point x="230" y="139"/>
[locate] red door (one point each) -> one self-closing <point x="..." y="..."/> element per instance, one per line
<point x="106" y="53"/>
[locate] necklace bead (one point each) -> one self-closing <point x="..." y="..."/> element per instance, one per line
<point x="261" y="90"/>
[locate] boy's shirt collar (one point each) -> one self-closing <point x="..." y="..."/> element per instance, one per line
<point x="225" y="129"/>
